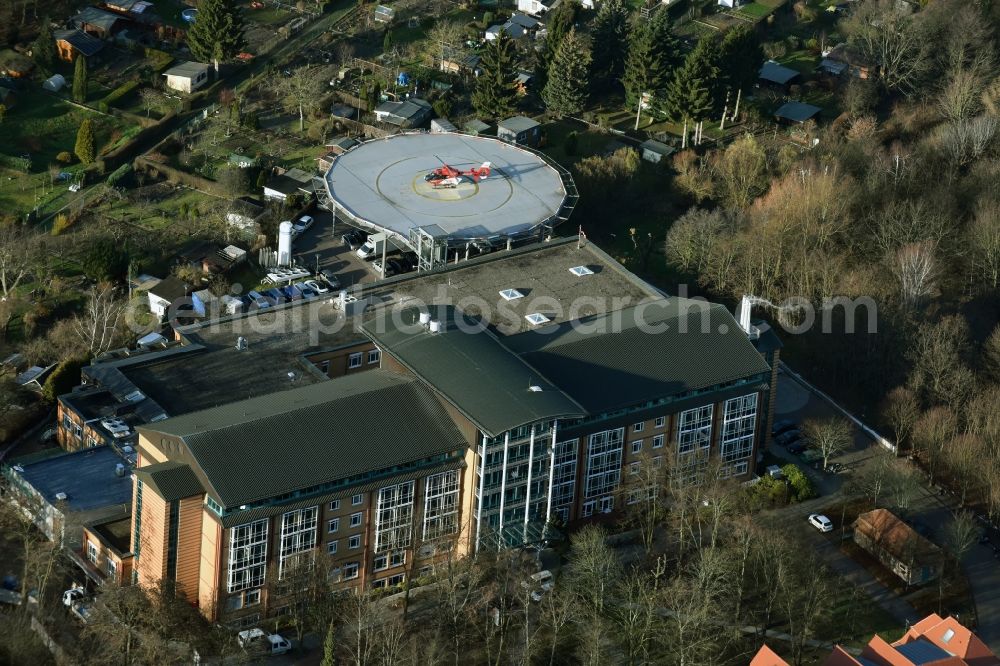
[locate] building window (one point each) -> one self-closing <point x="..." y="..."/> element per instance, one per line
<point x="397" y="579"/>
<point x="335" y="505"/>
<point x="661" y="421"/>
<point x="564" y="473"/>
<point x="112" y="568"/>
<point x="374" y="356"/>
<point x="355" y="519"/>
<point x="637" y="427"/>
<point x="91" y="441"/>
<point x="356" y="500"/>
<point x="393" y="516"/>
<point x="324" y="367"/>
<point x="658" y="442"/>
<point x="354" y="360"/>
<point x="350" y="571"/>
<point x="694" y="428"/>
<point x="633" y="469"/>
<point x="637" y="446"/>
<point x="354" y="541"/>
<point x="397" y="558"/>
<point x="332" y="525"/>
<point x="607" y="504"/>
<point x="331" y="548"/>
<point x="658" y="461"/>
<point x="588" y="508"/>
<point x="251" y="598"/>
<point x="298" y="539"/>
<point x="604" y="462"/>
<point x="381" y="562"/>
<point x="247" y="555"/>
<point x="440" y="505"/>
<point x="92" y="551"/>
<point x="378" y="584"/>
<point x="739" y="423"/>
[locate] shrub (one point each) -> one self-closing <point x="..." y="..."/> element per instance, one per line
<point x="63" y="379"/>
<point x="799" y="484"/>
<point x="61" y="224"/>
<point x="65" y="157"/>
<point x="442" y="107"/>
<point x="119" y="175"/>
<point x="119" y="92"/>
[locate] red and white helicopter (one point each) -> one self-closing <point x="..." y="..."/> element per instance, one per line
<point x="446" y="176"/>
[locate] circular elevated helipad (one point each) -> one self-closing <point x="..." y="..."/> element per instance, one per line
<point x="384" y="183"/>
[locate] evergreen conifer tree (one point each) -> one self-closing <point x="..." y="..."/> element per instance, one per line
<point x="653" y="54"/>
<point x="741" y="54"/>
<point x="85" y="142"/>
<point x="557" y="24"/>
<point x="567" y="89"/>
<point x="610" y="40"/>
<point x="691" y="93"/>
<point x="495" y="94"/>
<point x="217" y="32"/>
<point x="43" y="51"/>
<point x="80" y="79"/>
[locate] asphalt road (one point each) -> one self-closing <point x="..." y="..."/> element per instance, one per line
<point x="321" y="247"/>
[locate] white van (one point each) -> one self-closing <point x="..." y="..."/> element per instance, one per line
<point x="257" y="640"/>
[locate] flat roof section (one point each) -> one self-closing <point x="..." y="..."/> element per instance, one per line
<point x="87" y="477"/>
<point x="381" y="183"/>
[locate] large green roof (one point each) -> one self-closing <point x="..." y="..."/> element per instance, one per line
<point x="472" y="369"/>
<point x="662" y="348"/>
<point x="271" y="445"/>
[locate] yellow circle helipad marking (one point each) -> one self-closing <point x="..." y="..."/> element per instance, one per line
<point x="465" y="189"/>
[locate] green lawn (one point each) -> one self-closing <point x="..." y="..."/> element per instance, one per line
<point x="269" y="16"/>
<point x="802" y="61"/>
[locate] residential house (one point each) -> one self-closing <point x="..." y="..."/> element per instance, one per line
<point x="796" y="112"/>
<point x="442" y="126"/>
<point x="857" y="65"/>
<point x="654" y="151"/>
<point x="76" y="42"/>
<point x="933" y="641"/>
<point x="520" y="130"/>
<point x="283" y="184"/>
<point x="187" y="77"/>
<point x="413" y="112"/>
<point x="777" y="76"/>
<point x="476" y="127"/>
<point x="98" y="22"/>
<point x="518" y="26"/>
<point x="461" y="63"/>
<point x="833" y="68"/>
<point x="333" y="148"/>
<point x="898" y="546"/>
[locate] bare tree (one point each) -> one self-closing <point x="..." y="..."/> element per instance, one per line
<point x="741" y="172"/>
<point x="959" y="535"/>
<point x="806" y="594"/>
<point x="151" y="99"/>
<point x="890" y="38"/>
<point x="594" y="569"/>
<point x="917" y="271"/>
<point x="965" y="141"/>
<point x="301" y="90"/>
<point x="901" y="410"/>
<point x="875" y="478"/>
<point x="99" y="326"/>
<point x="360" y="615"/>
<point x="938" y="352"/>
<point x="558" y="608"/>
<point x="830" y="437"/>
<point x="985" y="236"/>
<point x="644" y="497"/>
<point x="16" y="256"/>
<point x="931" y="435"/>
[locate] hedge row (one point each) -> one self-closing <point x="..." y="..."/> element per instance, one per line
<point x="160" y="60"/>
<point x="119" y="92"/>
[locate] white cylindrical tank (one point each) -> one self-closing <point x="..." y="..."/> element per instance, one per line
<point x="285" y="243"/>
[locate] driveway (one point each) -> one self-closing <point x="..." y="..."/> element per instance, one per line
<point x="320" y="247"/>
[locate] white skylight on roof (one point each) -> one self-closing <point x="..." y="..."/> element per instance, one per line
<point x="511" y="294"/>
<point x="135" y="396"/>
<point x="580" y="271"/>
<point x="948" y="635"/>
<point x="536" y="318"/>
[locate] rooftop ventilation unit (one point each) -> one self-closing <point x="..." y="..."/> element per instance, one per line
<point x="580" y="271"/>
<point x="425" y="318"/>
<point x="241" y="343"/>
<point x="511" y="294"/>
<point x="135" y="396"/>
<point x="292" y="376"/>
<point x="535" y="388"/>
<point x="119" y="470"/>
<point x="537" y="318"/>
<point x="61" y="497"/>
<point x="159" y="417"/>
<point x="434" y="327"/>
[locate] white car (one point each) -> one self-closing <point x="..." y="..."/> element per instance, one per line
<point x="316" y="286"/>
<point x="258" y="640"/>
<point x="302" y="225"/>
<point x="73" y="594"/>
<point x="820" y="522"/>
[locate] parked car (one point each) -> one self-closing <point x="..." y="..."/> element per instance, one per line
<point x="316" y="286"/>
<point x="820" y="522"/>
<point x="798" y="447"/>
<point x="789" y="437"/>
<point x="275" y="296"/>
<point x="257" y="640"/>
<point x="257" y="300"/>
<point x="291" y="292"/>
<point x="331" y="278"/>
<point x="308" y="293"/>
<point x="782" y="426"/>
<point x="73" y="594"/>
<point x="302" y="224"/>
<point x="393" y="267"/>
<point x="408" y="262"/>
<point x="353" y="239"/>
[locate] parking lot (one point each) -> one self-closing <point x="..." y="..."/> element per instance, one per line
<point x="320" y="247"/>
